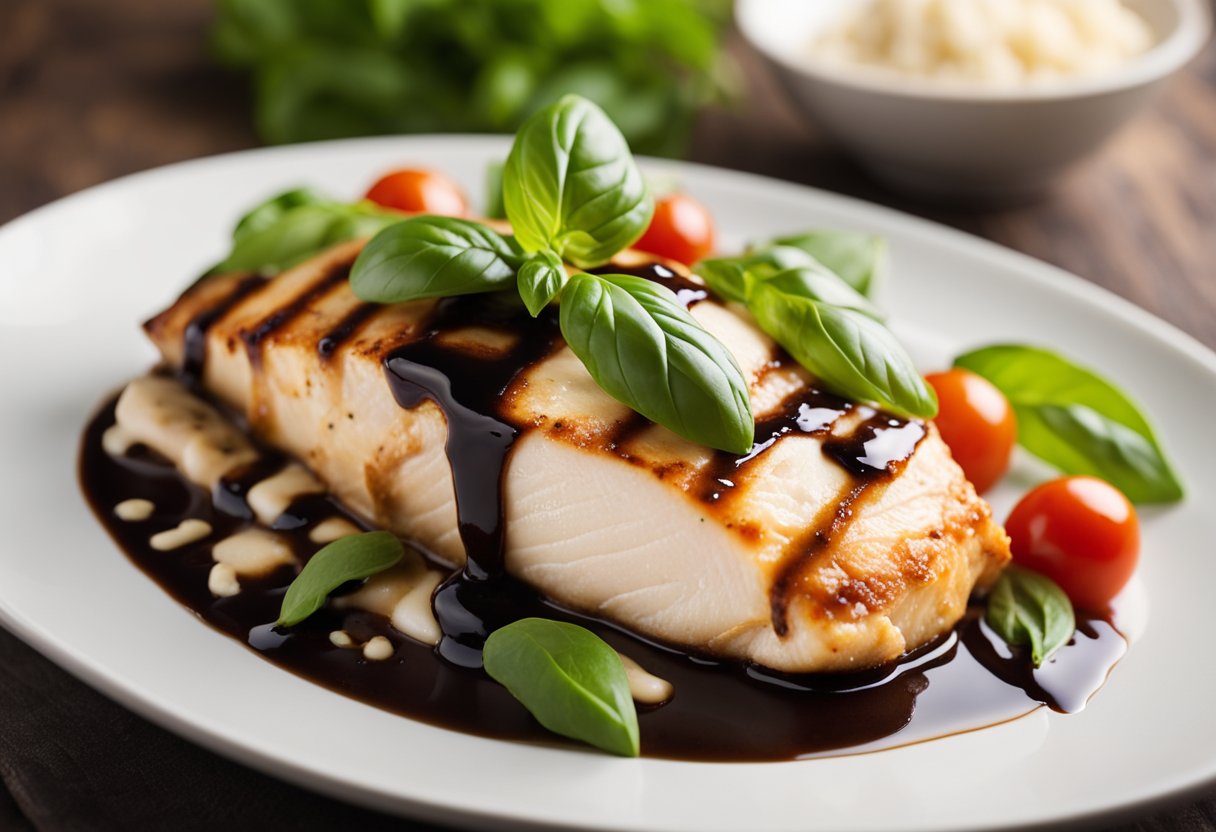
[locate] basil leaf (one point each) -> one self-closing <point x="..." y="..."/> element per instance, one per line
<point x="569" y="679"/>
<point x="570" y="184"/>
<point x="494" y="210"/>
<point x="858" y="259"/>
<point x="430" y="257"/>
<point x="540" y="281"/>
<point x="1082" y="441"/>
<point x="850" y="352"/>
<point x="1029" y="609"/>
<point x="726" y="277"/>
<point x="346" y="559"/>
<point x="817" y="283"/>
<point x="1078" y="421"/>
<point x="645" y="350"/>
<point x="767" y="261"/>
<point x="272" y="210"/>
<point x="789" y="270"/>
<point x="276" y="237"/>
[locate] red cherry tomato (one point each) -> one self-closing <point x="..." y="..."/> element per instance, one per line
<point x="681" y="230"/>
<point x="419" y="191"/>
<point x="976" y="421"/>
<point x="1082" y="533"/>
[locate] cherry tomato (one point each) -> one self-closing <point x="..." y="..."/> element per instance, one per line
<point x="681" y="230"/>
<point x="976" y="421"/>
<point x="1082" y="533"/>
<point x="419" y="191"/>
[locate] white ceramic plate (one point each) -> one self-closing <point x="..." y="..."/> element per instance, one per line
<point x="78" y="276"/>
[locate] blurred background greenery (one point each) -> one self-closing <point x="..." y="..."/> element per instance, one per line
<point x="324" y="69"/>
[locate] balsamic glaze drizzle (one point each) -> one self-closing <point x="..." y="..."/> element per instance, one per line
<point x="688" y="292"/>
<point x="475" y="600"/>
<point x="721" y="711"/>
<point x="230" y="494"/>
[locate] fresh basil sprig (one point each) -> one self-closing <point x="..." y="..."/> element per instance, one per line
<point x="1029" y="609"/>
<point x="350" y="558"/>
<point x="573" y="194"/>
<point x="643" y="348"/>
<point x="291" y="227"/>
<point x="569" y="679"/>
<point x="1078" y="421"/>
<point x="570" y="185"/>
<point x="429" y="257"/>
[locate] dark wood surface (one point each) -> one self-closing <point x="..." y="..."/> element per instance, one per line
<point x="90" y="91"/>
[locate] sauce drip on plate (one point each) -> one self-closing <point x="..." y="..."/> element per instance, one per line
<point x="721" y="711"/>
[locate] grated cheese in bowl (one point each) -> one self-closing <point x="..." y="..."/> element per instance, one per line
<point x="996" y="43"/>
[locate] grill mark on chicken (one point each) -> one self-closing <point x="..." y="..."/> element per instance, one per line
<point x="808" y="411"/>
<point x="195" y="342"/>
<point x="345" y="329"/>
<point x="801" y="553"/>
<point x="254" y="337"/>
<point x="626" y="430"/>
<point x="874" y="460"/>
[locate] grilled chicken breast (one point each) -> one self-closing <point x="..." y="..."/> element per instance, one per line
<point x="787" y="558"/>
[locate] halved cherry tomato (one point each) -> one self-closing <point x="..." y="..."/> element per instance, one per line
<point x="976" y="421"/>
<point x="1082" y="533"/>
<point x="681" y="230"/>
<point x="419" y="191"/>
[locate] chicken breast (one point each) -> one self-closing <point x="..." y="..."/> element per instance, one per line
<point x="789" y="558"/>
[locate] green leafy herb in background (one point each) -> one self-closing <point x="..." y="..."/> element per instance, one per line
<point x="569" y="679"/>
<point x="350" y="558"/>
<point x="1078" y="421"/>
<point x="335" y="68"/>
<point x="1030" y="610"/>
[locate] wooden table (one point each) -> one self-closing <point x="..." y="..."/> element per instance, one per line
<point x="90" y="91"/>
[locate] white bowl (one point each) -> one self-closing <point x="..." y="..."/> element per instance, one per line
<point x="966" y="142"/>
